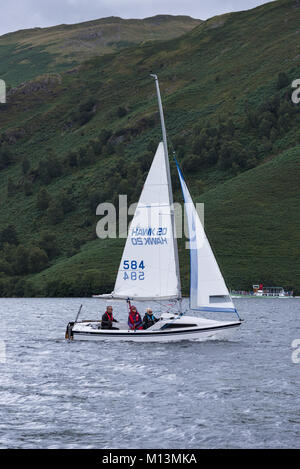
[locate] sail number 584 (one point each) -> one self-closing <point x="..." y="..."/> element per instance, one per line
<point x="135" y="270"/>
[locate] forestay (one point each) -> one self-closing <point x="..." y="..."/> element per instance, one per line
<point x="208" y="291"/>
<point x="148" y="267"/>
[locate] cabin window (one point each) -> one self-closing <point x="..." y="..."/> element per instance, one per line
<point x="174" y="325"/>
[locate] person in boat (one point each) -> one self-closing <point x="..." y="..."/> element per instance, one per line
<point x="149" y="319"/>
<point x="108" y="319"/>
<point x="134" y="319"/>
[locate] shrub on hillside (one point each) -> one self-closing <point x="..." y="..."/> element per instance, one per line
<point x="37" y="260"/>
<point x="48" y="243"/>
<point x="43" y="199"/>
<point x="23" y="289"/>
<point x="282" y="80"/>
<point x="65" y="201"/>
<point x="28" y="188"/>
<point x="121" y="112"/>
<point x="104" y="136"/>
<point x="94" y="199"/>
<point x="72" y="159"/>
<point x="6" y="157"/>
<point x="86" y="155"/>
<point x="25" y="165"/>
<point x="12" y="188"/>
<point x="21" y="262"/>
<point x="145" y="161"/>
<point x="9" y="235"/>
<point x="49" y="168"/>
<point x="5" y="267"/>
<point x="55" y="212"/>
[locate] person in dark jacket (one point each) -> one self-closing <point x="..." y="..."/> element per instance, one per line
<point x="134" y="319"/>
<point x="149" y="319"/>
<point x="108" y="319"/>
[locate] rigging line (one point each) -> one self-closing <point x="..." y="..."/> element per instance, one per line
<point x="171" y="309"/>
<point x="167" y="165"/>
<point x="165" y="307"/>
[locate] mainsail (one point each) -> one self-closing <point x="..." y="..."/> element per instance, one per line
<point x="208" y="291"/>
<point x="148" y="269"/>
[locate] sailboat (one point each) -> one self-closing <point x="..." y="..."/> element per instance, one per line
<point x="149" y="268"/>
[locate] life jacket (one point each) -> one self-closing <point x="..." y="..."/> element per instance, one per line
<point x="135" y="320"/>
<point x="149" y="320"/>
<point x="150" y="317"/>
<point x="110" y="317"/>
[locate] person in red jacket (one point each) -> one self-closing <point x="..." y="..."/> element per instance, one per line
<point x="134" y="319"/>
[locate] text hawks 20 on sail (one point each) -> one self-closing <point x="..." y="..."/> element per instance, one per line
<point x="154" y="458"/>
<point x="149" y="236"/>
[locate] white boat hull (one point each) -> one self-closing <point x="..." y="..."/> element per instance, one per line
<point x="166" y="330"/>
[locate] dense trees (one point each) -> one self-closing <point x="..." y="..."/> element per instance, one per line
<point x="18" y="259"/>
<point x="50" y="167"/>
<point x="22" y="260"/>
<point x="37" y="260"/>
<point x="228" y="144"/>
<point x="48" y="243"/>
<point x="55" y="208"/>
<point x="84" y="113"/>
<point x="238" y="146"/>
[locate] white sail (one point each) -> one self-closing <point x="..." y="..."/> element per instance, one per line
<point x="148" y="266"/>
<point x="208" y="291"/>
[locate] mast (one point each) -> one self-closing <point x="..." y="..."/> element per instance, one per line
<point x="164" y="134"/>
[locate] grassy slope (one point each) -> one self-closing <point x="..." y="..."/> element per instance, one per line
<point x="256" y="217"/>
<point x="252" y="222"/>
<point x="246" y="51"/>
<point x="27" y="53"/>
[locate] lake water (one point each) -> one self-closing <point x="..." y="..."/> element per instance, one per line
<point x="243" y="393"/>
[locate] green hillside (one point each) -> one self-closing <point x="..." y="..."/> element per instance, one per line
<point x="256" y="216"/>
<point x="27" y="53"/>
<point x="72" y="140"/>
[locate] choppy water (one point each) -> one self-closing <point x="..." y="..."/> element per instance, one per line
<point x="55" y="394"/>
